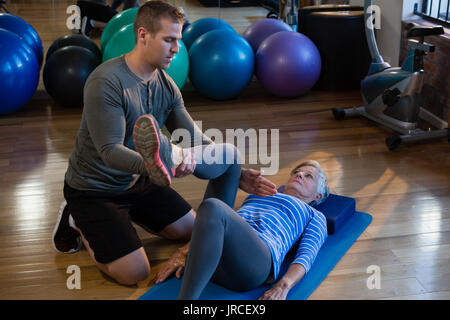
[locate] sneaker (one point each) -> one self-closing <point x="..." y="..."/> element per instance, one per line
<point x="86" y="26"/>
<point x="156" y="150"/>
<point x="66" y="239"/>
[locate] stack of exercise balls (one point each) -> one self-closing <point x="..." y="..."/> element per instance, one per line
<point x="118" y="39"/>
<point x="221" y="60"/>
<point x="202" y="26"/>
<point x="20" y="59"/>
<point x="221" y="63"/>
<point x="287" y="63"/>
<point x="69" y="62"/>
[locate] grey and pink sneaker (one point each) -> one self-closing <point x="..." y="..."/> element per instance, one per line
<point x="156" y="150"/>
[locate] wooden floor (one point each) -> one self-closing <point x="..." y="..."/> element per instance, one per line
<point x="407" y="191"/>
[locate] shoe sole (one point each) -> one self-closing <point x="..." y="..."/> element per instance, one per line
<point x="55" y="229"/>
<point x="147" y="143"/>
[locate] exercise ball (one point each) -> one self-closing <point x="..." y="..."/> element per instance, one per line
<point x="179" y="67"/>
<point x="121" y="43"/>
<point x="287" y="64"/>
<point x="19" y="72"/>
<point x="25" y="31"/>
<point x="73" y="40"/>
<point x="185" y="25"/>
<point x="66" y="72"/>
<point x="200" y="27"/>
<point x="260" y="30"/>
<point x="221" y="64"/>
<point x="116" y="23"/>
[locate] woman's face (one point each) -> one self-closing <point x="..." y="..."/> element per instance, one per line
<point x="303" y="184"/>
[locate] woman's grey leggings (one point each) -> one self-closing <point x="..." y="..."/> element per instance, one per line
<point x="224" y="249"/>
<point x="220" y="164"/>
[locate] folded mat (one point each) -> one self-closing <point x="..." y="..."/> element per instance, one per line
<point x="335" y="246"/>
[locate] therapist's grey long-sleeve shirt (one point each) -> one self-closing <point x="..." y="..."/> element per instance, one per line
<point x="104" y="157"/>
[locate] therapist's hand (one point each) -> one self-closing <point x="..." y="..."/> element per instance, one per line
<point x="186" y="167"/>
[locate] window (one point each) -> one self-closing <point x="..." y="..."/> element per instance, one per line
<point x="434" y="10"/>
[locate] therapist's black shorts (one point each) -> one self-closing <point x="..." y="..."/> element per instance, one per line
<point x="96" y="11"/>
<point x="105" y="218"/>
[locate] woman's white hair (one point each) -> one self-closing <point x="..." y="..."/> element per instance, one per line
<point x="322" y="183"/>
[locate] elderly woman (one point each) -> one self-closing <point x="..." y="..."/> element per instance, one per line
<point x="244" y="249"/>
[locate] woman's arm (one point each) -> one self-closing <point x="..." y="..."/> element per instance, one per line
<point x="280" y="290"/>
<point x="175" y="264"/>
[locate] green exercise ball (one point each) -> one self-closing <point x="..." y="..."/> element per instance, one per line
<point x="179" y="67"/>
<point x="116" y="23"/>
<point x="123" y="42"/>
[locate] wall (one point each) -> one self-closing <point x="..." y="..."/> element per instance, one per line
<point x="408" y="9"/>
<point x="388" y="37"/>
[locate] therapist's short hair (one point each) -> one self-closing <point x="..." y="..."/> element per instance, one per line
<point x="150" y="13"/>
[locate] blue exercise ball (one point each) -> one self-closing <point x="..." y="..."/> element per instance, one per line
<point x="287" y="64"/>
<point x="25" y="31"/>
<point x="19" y="72"/>
<point x="66" y="72"/>
<point x="185" y="25"/>
<point x="221" y="64"/>
<point x="199" y="27"/>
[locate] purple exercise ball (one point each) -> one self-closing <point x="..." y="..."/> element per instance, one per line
<point x="260" y="30"/>
<point x="288" y="64"/>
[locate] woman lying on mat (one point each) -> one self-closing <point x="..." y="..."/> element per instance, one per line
<point x="243" y="250"/>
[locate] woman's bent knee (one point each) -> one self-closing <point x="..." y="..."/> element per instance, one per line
<point x="210" y="207"/>
<point x="211" y="212"/>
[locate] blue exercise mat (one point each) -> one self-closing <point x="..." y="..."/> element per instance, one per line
<point x="331" y="252"/>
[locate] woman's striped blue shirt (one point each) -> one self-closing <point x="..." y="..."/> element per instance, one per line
<point x="282" y="221"/>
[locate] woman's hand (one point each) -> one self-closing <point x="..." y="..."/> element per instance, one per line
<point x="277" y="292"/>
<point x="253" y="182"/>
<point x="280" y="290"/>
<point x="175" y="264"/>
